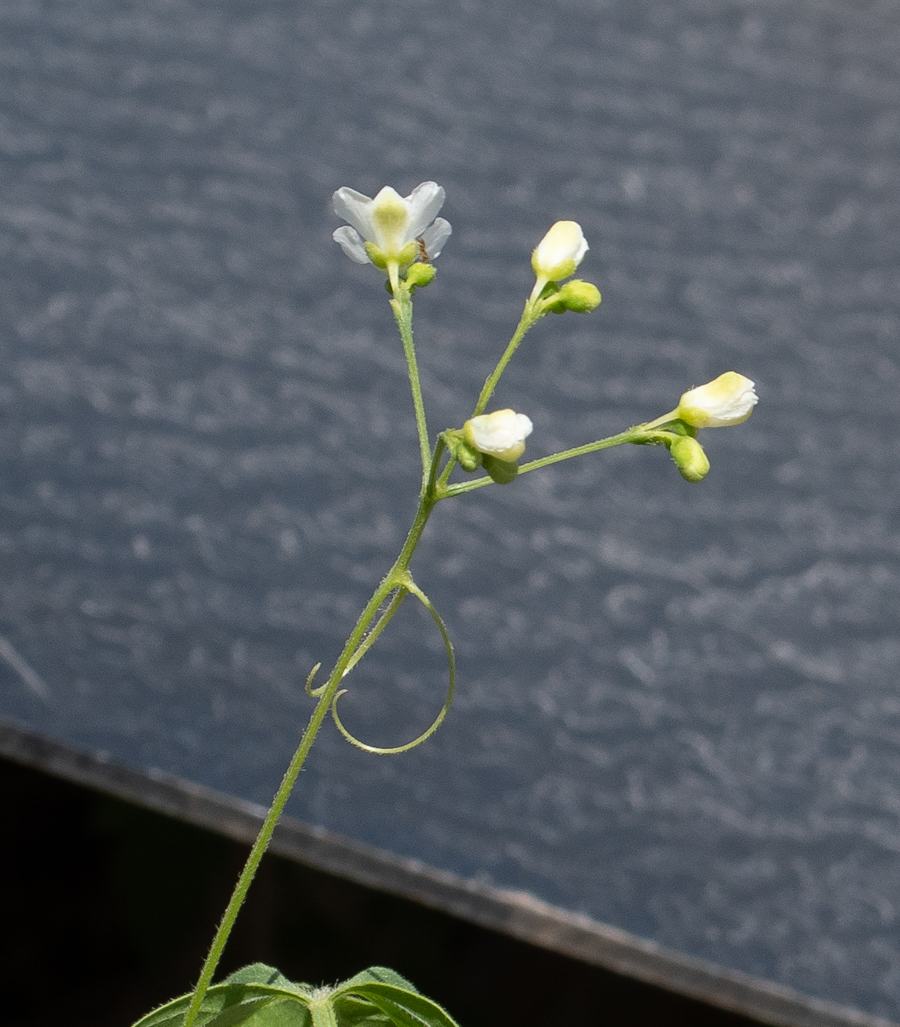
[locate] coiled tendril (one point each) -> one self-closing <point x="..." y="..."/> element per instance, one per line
<point x="408" y="587"/>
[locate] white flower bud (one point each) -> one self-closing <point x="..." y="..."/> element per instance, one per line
<point x="559" y="253"/>
<point x="501" y="434"/>
<point x="729" y="399"/>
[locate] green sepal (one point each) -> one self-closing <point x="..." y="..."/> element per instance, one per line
<point x="665" y="433"/>
<point x="553" y="274"/>
<point x="502" y="472"/>
<point x="468" y="458"/>
<point x="376" y="255"/>
<point x="682" y="428"/>
<point x="409" y="253"/>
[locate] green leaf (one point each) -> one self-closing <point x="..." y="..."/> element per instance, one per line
<point x="402" y="1006"/>
<point x="261" y="973"/>
<point x="230" y="1005"/>
<point x="358" y="1012"/>
<point x="261" y="996"/>
<point x="379" y="975"/>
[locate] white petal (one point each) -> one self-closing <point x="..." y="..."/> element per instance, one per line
<point x="497" y="432"/>
<point x="355" y="208"/>
<point x="351" y="243"/>
<point x="424" y="203"/>
<point x="435" y="237"/>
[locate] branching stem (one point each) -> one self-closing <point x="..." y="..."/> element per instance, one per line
<point x="396" y="584"/>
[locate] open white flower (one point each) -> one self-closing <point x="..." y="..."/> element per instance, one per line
<point x="728" y="399"/>
<point x="501" y="434"/>
<point x="558" y="254"/>
<point x="391" y="229"/>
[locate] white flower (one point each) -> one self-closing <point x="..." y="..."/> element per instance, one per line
<point x="729" y="399"/>
<point x="558" y="254"/>
<point x="501" y="434"/>
<point x="390" y="229"/>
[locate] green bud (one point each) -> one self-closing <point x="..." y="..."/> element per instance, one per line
<point x="501" y="471"/>
<point x="580" y="297"/>
<point x="691" y="461"/>
<point x="419" y="275"/>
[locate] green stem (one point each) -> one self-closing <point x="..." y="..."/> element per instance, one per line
<point x="638" y="435"/>
<point x="401" y="305"/>
<point x="279" y="802"/>
<point x="354" y="648"/>
<point x="529" y="316"/>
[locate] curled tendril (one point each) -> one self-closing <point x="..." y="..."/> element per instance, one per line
<point x="314" y="692"/>
<point x="408" y="587"/>
<point x="397" y="597"/>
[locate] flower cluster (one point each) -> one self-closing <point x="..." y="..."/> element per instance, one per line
<point x="402" y="235"/>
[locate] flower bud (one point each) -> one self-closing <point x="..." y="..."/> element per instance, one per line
<point x="729" y="399"/>
<point x="559" y="253"/>
<point x="420" y="275"/>
<point x="580" y="297"/>
<point x="691" y="461"/>
<point x="501" y="434"/>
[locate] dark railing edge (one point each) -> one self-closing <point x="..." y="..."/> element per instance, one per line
<point x="513" y="913"/>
